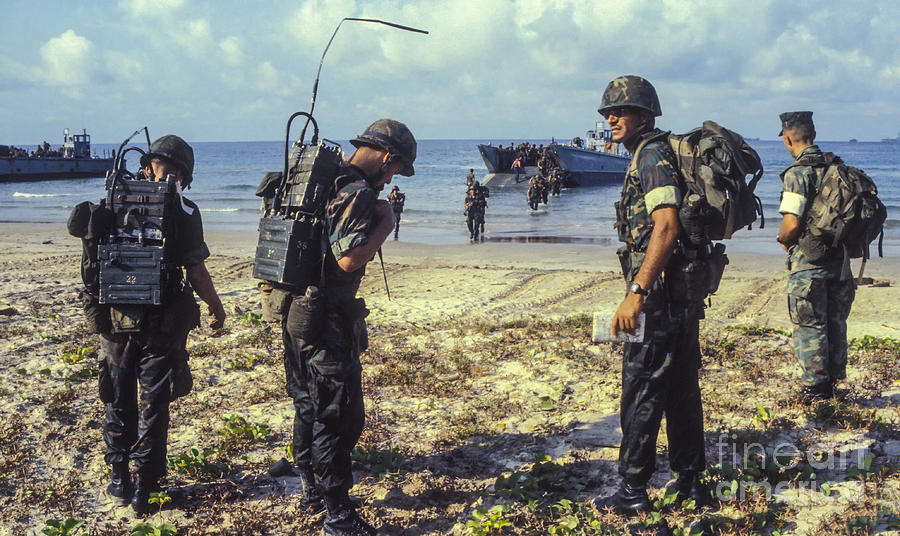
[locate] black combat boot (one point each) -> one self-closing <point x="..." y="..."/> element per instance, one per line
<point x="140" y="501"/>
<point x="313" y="501"/>
<point x="629" y="500"/>
<point x="688" y="486"/>
<point x="822" y="391"/>
<point x="342" y="519"/>
<point x="120" y="486"/>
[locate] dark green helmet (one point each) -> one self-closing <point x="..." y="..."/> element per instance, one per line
<point x="393" y="137"/>
<point x="630" y="90"/>
<point x="175" y="150"/>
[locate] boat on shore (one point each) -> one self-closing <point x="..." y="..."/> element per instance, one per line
<point x="593" y="161"/>
<point x="73" y="159"/>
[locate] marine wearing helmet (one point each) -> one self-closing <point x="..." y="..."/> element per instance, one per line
<point x="176" y="151"/>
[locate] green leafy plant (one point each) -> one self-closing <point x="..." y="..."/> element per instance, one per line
<point x="241" y="363"/>
<point x="380" y="462"/>
<point x="485" y="522"/>
<point x="160" y="498"/>
<point x="763" y="416"/>
<point x="868" y="342"/>
<point x="253" y="319"/>
<point x="147" y="529"/>
<point x="67" y="527"/>
<point x="238" y="430"/>
<point x="752" y="329"/>
<point x="77" y="356"/>
<point x="197" y="462"/>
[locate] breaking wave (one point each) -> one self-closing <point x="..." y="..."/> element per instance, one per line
<point x="23" y="194"/>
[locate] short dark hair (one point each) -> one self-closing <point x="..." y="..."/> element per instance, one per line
<point x="802" y="133"/>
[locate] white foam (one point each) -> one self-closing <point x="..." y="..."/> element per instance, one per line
<point x="21" y="194"/>
<point x="220" y="210"/>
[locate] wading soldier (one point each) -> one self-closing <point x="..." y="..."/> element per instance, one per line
<point x="660" y="374"/>
<point x="144" y="366"/>
<point x="325" y="328"/>
<point x="819" y="298"/>
<point x="397" y="199"/>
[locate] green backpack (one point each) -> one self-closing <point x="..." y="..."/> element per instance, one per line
<point x="845" y="212"/>
<point x="714" y="163"/>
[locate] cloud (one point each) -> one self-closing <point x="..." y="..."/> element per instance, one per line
<point x="68" y="60"/>
<point x="232" y="50"/>
<point x="153" y="8"/>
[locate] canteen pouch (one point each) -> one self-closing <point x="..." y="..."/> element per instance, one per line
<point x="717" y="261"/>
<point x="305" y="315"/>
<point x="279" y="301"/>
<point x="127" y="318"/>
<point x="96" y="314"/>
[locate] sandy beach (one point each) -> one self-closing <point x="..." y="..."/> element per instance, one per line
<point x="480" y="366"/>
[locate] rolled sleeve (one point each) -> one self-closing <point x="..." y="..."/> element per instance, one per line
<point x="662" y="196"/>
<point x="792" y="203"/>
<point x="350" y="217"/>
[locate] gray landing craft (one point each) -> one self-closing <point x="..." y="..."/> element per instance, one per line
<point x="73" y="159"/>
<point x="597" y="162"/>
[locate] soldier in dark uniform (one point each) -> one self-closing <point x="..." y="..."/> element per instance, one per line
<point x="470" y="178"/>
<point x="820" y="293"/>
<point x="660" y="374"/>
<point x="152" y="356"/>
<point x="325" y="329"/>
<point x="397" y="200"/>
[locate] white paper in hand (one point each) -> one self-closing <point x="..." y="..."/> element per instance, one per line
<point x="602" y="331"/>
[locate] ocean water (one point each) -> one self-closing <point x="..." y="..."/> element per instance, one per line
<point x="227" y="174"/>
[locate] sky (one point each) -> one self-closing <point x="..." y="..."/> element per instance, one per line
<point x="504" y="70"/>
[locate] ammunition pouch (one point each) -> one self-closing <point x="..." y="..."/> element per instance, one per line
<point x="630" y="261"/>
<point x="305" y="315"/>
<point x="717" y="262"/>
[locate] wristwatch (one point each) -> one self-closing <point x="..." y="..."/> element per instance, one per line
<point x="635" y="288"/>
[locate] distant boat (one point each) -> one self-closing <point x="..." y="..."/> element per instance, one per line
<point x="594" y="161"/>
<point x="891" y="140"/>
<point x="72" y="160"/>
<point x="854" y="140"/>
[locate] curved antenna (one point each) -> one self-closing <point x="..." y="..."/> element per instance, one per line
<point x="315" y="90"/>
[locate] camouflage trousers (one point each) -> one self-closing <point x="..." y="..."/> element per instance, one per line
<point x="819" y="304"/>
<point x="660" y="377"/>
<point x="323" y="377"/>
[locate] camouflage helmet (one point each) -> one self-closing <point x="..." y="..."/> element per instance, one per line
<point x="393" y="137"/>
<point x="175" y="150"/>
<point x="630" y="90"/>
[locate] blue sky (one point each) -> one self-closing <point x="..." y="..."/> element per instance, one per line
<point x="490" y="69"/>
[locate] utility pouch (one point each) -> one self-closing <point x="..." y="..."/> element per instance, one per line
<point x="813" y="247"/>
<point x="181" y="315"/>
<point x="96" y="314"/>
<point x="621" y="222"/>
<point x="687" y="280"/>
<point x="717" y="262"/>
<point x="279" y="300"/>
<point x="127" y="318"/>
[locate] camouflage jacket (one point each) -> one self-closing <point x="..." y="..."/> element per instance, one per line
<point x="350" y="216"/>
<point x="801" y="184"/>
<point x="650" y="182"/>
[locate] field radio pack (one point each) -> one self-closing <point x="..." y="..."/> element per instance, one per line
<point x="291" y="246"/>
<point x="134" y="261"/>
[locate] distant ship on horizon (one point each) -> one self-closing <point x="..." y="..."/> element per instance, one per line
<point x="891" y="140"/>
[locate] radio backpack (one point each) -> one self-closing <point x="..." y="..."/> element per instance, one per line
<point x="845" y="212"/>
<point x="290" y="250"/>
<point x="714" y="163"/>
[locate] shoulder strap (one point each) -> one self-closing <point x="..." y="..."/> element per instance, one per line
<point x="632" y="166"/>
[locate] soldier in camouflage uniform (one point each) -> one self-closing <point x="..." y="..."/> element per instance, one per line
<point x="325" y="328"/>
<point x="660" y="374"/>
<point x="397" y="199"/>
<point x="819" y="299"/>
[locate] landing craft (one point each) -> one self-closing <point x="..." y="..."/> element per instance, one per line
<point x="597" y="162"/>
<point x="72" y="160"/>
